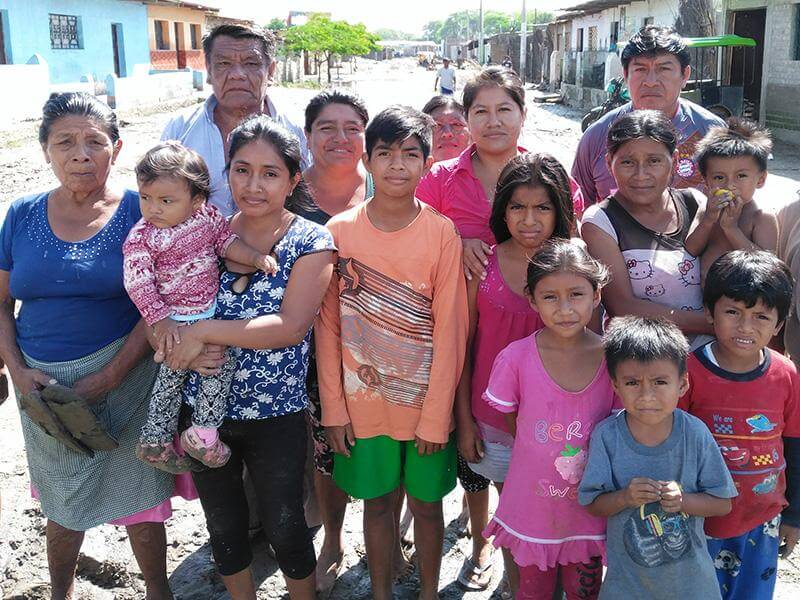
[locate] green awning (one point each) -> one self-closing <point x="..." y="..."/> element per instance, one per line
<point x="719" y="40"/>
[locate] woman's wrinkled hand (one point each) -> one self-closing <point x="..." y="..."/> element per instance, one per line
<point x="93" y="387"/>
<point x="476" y="257"/>
<point x="27" y="380"/>
<point x="185" y="353"/>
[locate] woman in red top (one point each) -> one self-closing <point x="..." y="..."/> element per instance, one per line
<point x="463" y="188"/>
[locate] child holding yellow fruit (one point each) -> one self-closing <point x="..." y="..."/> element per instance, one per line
<point x="733" y="161"/>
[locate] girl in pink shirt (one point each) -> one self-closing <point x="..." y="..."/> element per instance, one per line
<point x="553" y="388"/>
<point x="532" y="204"/>
<point x="171" y="273"/>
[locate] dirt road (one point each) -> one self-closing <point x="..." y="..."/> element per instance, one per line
<point x="106" y="567"/>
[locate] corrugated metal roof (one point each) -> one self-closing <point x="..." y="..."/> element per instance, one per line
<point x="596" y="6"/>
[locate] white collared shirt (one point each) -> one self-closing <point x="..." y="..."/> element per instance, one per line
<point x="196" y="129"/>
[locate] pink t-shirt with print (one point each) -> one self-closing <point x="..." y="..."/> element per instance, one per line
<point x="539" y="518"/>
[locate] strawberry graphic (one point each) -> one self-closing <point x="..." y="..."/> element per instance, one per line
<point x="571" y="463"/>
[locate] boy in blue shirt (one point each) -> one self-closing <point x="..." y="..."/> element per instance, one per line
<point x="654" y="471"/>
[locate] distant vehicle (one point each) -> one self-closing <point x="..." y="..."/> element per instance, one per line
<point x="617" y="96"/>
<point x="720" y="68"/>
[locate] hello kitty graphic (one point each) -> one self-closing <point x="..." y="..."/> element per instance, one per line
<point x="639" y="269"/>
<point x="654" y="291"/>
<point x="689" y="274"/>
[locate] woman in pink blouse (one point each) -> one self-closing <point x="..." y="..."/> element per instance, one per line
<point x="463" y="188"/>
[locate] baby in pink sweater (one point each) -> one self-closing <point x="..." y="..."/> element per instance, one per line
<point x="171" y="272"/>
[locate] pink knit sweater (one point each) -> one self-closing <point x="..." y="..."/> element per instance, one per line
<point x="175" y="271"/>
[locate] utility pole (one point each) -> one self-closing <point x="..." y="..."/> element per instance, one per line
<point x="481" y="57"/>
<point x="523" y="45"/>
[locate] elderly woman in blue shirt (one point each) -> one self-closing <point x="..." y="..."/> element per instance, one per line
<point x="61" y="258"/>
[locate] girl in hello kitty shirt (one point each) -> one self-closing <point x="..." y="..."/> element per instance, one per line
<point x="553" y="388"/>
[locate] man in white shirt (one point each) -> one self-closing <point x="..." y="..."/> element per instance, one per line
<point x="240" y="65"/>
<point x="445" y="79"/>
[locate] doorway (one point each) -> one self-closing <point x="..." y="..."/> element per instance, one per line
<point x="747" y="64"/>
<point x="180" y="45"/>
<point x="3" y="57"/>
<point x="118" y="47"/>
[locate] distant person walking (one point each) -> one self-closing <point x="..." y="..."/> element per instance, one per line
<point x="445" y="79"/>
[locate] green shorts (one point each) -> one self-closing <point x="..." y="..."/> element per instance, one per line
<point x="378" y="465"/>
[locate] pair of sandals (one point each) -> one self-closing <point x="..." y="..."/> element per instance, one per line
<point x="66" y="416"/>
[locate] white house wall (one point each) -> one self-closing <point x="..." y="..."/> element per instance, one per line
<point x="663" y="12"/>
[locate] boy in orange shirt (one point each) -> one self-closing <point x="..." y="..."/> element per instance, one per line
<point x="390" y="346"/>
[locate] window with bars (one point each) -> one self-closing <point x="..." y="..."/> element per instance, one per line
<point x="65" y="32"/>
<point x="162" y="39"/>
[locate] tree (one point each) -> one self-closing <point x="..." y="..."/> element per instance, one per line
<point x="393" y="34"/>
<point x="465" y="24"/>
<point x="276" y="24"/>
<point x="433" y="31"/>
<point x="325" y="39"/>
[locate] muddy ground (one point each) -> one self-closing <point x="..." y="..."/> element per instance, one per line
<point x="106" y="568"/>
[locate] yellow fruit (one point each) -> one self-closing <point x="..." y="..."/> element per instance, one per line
<point x="723" y="192"/>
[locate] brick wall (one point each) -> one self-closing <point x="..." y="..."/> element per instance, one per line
<point x="167" y="60"/>
<point x="163" y="60"/>
<point x="781" y="71"/>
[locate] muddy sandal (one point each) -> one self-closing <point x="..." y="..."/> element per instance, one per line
<point x="77" y="417"/>
<point x="473" y="577"/>
<point x="164" y="458"/>
<point x="37" y="410"/>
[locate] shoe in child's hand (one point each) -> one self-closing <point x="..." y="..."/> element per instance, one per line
<point x="671" y="496"/>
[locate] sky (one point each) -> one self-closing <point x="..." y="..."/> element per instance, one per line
<point x="405" y="15"/>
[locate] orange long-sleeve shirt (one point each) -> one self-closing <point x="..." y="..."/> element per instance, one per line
<point x="392" y="331"/>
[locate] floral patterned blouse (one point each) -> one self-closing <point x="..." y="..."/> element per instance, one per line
<point x="268" y="383"/>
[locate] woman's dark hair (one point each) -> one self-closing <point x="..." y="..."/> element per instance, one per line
<point x="398" y="123"/>
<point x="739" y="138"/>
<point x="78" y="104"/>
<point x="652" y="40"/>
<point x="241" y="32"/>
<point x="442" y="101"/>
<point x="749" y="276"/>
<point x="533" y="169"/>
<point x="640" y="124"/>
<point x="327" y="97"/>
<point x="494" y="77"/>
<point x="173" y="159"/>
<point x="262" y="128"/>
<point x="644" y="340"/>
<point x="564" y="256"/>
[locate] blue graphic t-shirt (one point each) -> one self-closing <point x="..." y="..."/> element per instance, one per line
<point x="651" y="553"/>
<point x="268" y="383"/>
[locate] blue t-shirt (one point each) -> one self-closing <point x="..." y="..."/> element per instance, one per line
<point x="651" y="553"/>
<point x="268" y="383"/>
<point x="72" y="298"/>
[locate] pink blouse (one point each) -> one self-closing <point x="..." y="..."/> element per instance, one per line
<point x="538" y="517"/>
<point x="503" y="317"/>
<point x="452" y="188"/>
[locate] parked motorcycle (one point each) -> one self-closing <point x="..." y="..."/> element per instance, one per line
<point x="617" y="96"/>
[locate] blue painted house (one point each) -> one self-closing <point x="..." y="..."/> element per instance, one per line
<point x="76" y="37"/>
